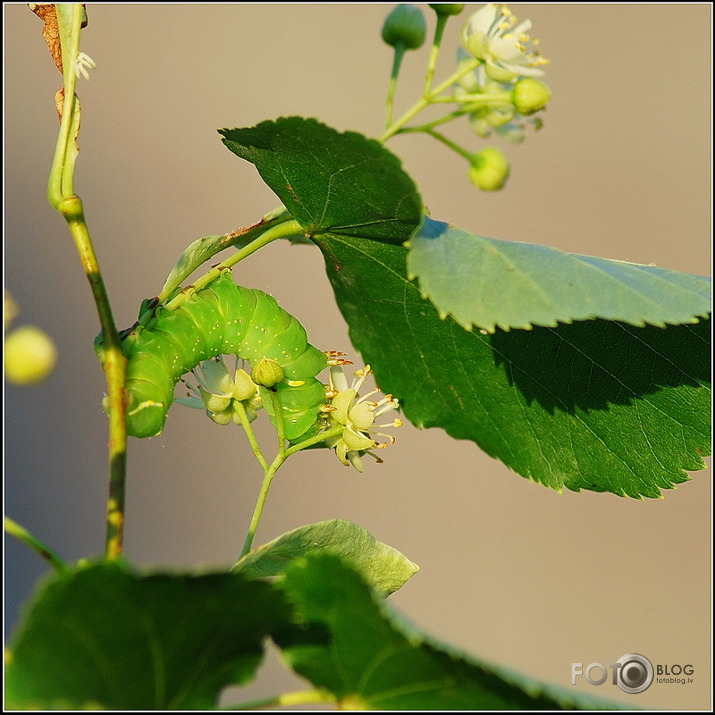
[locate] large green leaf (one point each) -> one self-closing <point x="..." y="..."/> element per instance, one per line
<point x="106" y="637"/>
<point x="594" y="405"/>
<point x="383" y="567"/>
<point x="335" y="182"/>
<point x="351" y="645"/>
<point x="493" y="284"/>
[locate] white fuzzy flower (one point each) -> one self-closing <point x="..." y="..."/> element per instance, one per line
<point x="493" y="36"/>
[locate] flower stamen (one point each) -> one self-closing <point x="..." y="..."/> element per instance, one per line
<point x="356" y="415"/>
<point x="507" y="50"/>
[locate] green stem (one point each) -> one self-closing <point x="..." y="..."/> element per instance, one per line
<point x="241" y="237"/>
<point x="393" y="129"/>
<point x="270" y="472"/>
<point x="452" y="145"/>
<point x="434" y="52"/>
<point x="69" y="20"/>
<point x="260" y="502"/>
<point x="474" y="101"/>
<point x="281" y="230"/>
<point x="334" y="432"/>
<point x="425" y="101"/>
<point x="115" y="368"/>
<point x="435" y="122"/>
<point x="280" y="427"/>
<point x="23" y="535"/>
<point x="60" y="191"/>
<point x="396" y="64"/>
<point x="299" y="697"/>
<point x="251" y="436"/>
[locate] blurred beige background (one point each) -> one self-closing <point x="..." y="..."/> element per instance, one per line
<point x="510" y="571"/>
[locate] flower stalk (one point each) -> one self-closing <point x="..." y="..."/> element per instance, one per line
<point x="494" y="84"/>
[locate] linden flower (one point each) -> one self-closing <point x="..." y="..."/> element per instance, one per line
<point x="492" y="35"/>
<point x="357" y="416"/>
<point x="218" y="392"/>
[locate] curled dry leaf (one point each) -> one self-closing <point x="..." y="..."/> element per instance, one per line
<point x="51" y="31"/>
<point x="59" y="102"/>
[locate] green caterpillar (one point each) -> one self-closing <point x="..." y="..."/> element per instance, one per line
<point x="221" y="319"/>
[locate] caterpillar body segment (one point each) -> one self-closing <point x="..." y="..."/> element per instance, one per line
<point x="222" y="318"/>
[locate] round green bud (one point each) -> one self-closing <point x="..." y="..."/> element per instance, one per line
<point x="267" y="372"/>
<point x="405" y="26"/>
<point x="530" y="95"/>
<point x="447" y="9"/>
<point x="489" y="170"/>
<point x="30" y="355"/>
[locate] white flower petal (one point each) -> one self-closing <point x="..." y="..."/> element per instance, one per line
<point x="493" y="35"/>
<point x="482" y="19"/>
<point x="338" y="381"/>
<point x="362" y="416"/>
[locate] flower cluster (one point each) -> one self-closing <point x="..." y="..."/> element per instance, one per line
<point x="502" y="92"/>
<point x="225" y="395"/>
<point x="222" y="394"/>
<point x="495" y="84"/>
<point x="501" y="107"/>
<point x="356" y="415"/>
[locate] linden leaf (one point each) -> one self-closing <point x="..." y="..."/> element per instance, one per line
<point x="488" y="283"/>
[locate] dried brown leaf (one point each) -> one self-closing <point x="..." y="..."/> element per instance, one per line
<point x="51" y="31"/>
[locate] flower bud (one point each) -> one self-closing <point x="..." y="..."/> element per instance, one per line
<point x="244" y="387"/>
<point x="447" y="9"/>
<point x="489" y="170"/>
<point x="30" y="355"/>
<point x="267" y="372"/>
<point x="405" y="26"/>
<point x="221" y="418"/>
<point x="214" y="403"/>
<point x="530" y="95"/>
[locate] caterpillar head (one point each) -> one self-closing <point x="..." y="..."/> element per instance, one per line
<point x="127" y="337"/>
